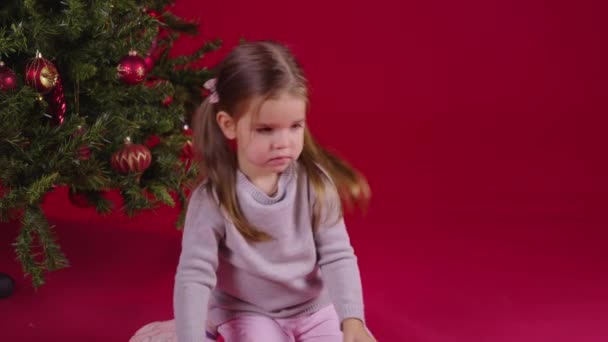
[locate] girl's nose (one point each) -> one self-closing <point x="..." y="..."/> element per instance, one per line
<point x="281" y="140"/>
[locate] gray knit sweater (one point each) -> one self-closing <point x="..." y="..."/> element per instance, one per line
<point x="221" y="275"/>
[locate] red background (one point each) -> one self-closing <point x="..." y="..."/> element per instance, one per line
<point x="481" y="126"/>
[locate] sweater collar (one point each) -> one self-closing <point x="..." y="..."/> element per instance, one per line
<point x="245" y="184"/>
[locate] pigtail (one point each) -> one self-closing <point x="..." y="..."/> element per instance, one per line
<point x="218" y="165"/>
<point x="329" y="175"/>
<point x="211" y="146"/>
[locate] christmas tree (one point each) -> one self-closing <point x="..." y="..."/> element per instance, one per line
<point x="90" y="98"/>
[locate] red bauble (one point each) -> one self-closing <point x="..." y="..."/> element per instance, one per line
<point x="84" y="152"/>
<point x="149" y="61"/>
<point x="167" y="101"/>
<point x="152" y="141"/>
<point x="8" y="79"/>
<point x="131" y="157"/>
<point x="131" y="69"/>
<point x="41" y="74"/>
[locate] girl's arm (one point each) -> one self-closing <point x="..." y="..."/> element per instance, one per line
<point x="198" y="261"/>
<point x="338" y="261"/>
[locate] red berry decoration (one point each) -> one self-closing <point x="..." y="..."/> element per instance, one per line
<point x="8" y="79"/>
<point x="41" y="74"/>
<point x="131" y="157"/>
<point x="132" y="69"/>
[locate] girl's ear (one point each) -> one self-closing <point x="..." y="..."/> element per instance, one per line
<point x="227" y="125"/>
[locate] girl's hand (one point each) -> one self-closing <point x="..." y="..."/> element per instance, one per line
<point x="354" y="331"/>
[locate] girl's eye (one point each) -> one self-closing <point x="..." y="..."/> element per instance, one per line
<point x="264" y="130"/>
<point x="297" y="126"/>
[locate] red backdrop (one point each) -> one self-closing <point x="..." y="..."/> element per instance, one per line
<point x="480" y="125"/>
<point x="474" y="111"/>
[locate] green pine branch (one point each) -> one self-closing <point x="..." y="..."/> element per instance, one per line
<point x="36" y="246"/>
<point x="85" y="40"/>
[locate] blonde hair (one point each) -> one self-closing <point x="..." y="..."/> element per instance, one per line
<point x="265" y="69"/>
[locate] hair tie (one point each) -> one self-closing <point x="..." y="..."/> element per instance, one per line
<point x="210" y="85"/>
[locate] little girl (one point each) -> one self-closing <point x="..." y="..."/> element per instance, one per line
<point x="265" y="252"/>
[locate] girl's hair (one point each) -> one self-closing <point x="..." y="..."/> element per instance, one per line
<point x="264" y="70"/>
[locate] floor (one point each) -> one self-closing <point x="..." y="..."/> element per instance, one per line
<point x="434" y="282"/>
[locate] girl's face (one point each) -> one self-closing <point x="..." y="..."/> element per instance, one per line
<point x="269" y="141"/>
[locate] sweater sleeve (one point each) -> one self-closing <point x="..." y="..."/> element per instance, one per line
<point x="196" y="270"/>
<point x="337" y="260"/>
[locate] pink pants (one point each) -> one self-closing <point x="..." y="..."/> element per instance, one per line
<point x="322" y="326"/>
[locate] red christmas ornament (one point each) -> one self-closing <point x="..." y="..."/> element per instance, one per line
<point x="152" y="141"/>
<point x="131" y="157"/>
<point x="149" y="61"/>
<point x="8" y="79"/>
<point x="167" y="101"/>
<point x="41" y="74"/>
<point x="57" y="104"/>
<point x="131" y="69"/>
<point x="84" y="152"/>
